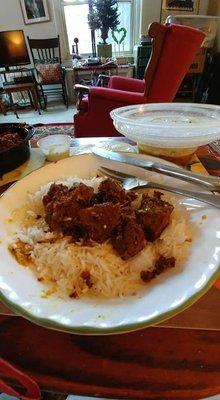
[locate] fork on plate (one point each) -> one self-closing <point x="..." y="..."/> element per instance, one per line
<point x="130" y="182"/>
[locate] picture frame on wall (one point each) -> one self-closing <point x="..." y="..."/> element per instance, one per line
<point x="181" y="5"/>
<point x="34" y="11"/>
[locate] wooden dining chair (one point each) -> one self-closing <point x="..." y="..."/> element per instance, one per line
<point x="46" y="57"/>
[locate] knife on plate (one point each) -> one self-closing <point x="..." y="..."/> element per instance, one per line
<point x="207" y="182"/>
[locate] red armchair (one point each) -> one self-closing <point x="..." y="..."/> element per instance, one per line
<point x="174" y="47"/>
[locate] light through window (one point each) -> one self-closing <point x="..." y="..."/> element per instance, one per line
<point x="77" y="26"/>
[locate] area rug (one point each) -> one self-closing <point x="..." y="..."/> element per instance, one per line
<point x="42" y="130"/>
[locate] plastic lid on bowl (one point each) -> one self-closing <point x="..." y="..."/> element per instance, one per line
<point x="55" y="147"/>
<point x="169" y="124"/>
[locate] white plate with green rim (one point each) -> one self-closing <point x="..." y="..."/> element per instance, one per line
<point x="162" y="298"/>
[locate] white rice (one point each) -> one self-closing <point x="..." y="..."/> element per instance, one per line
<point x="60" y="263"/>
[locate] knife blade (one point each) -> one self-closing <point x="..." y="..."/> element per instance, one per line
<point x="204" y="181"/>
<point x="114" y="156"/>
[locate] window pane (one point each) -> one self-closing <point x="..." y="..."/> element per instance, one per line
<point x="124" y="9"/>
<point x="77" y="26"/>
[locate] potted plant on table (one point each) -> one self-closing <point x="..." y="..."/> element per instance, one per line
<point x="103" y="15"/>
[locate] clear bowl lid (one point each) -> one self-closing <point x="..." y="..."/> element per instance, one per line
<point x="169" y="124"/>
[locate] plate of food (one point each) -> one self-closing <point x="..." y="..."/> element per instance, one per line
<point x="82" y="255"/>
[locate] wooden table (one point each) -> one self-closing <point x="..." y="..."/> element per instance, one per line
<point x="83" y="74"/>
<point x="30" y="88"/>
<point x="178" y="360"/>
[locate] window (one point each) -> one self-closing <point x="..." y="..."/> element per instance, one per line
<point x="76" y="13"/>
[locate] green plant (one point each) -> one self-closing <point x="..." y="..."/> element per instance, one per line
<point x="103" y="15"/>
<point x="119" y="39"/>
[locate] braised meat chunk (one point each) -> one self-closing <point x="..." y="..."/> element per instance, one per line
<point x="62" y="206"/>
<point x="100" y="220"/>
<point x="127" y="211"/>
<point x="54" y="193"/>
<point x="164" y="263"/>
<point x="107" y="214"/>
<point x="161" y="265"/>
<point x="154" y="215"/>
<point x="111" y="191"/>
<point x="82" y="194"/>
<point x="128" y="239"/>
<point x="86" y="276"/>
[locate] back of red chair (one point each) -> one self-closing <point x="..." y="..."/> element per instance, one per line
<point x="178" y="45"/>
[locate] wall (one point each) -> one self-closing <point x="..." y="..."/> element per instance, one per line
<point x="150" y="10"/>
<point x="11" y="18"/>
<point x="214" y="9"/>
<point x="217" y="42"/>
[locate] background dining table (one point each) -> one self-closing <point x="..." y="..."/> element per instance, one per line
<point x="177" y="359"/>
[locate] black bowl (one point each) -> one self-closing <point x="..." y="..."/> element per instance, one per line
<point x="18" y="154"/>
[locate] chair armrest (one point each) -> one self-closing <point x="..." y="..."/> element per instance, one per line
<point x="81" y="88"/>
<point x="127" y="84"/>
<point x="116" y="96"/>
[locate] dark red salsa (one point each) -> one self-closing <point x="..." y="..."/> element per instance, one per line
<point x="9" y="139"/>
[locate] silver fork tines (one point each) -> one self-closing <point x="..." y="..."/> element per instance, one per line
<point x="110" y="173"/>
<point x="132" y="183"/>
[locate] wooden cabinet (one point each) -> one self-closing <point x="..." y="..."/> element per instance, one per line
<point x="142" y="55"/>
<point x="199" y="60"/>
<point x="189" y="85"/>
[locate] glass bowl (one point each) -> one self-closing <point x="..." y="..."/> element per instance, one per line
<point x="55" y="147"/>
<point x="172" y="131"/>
